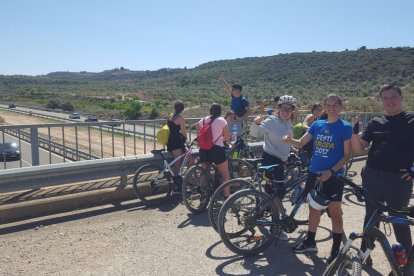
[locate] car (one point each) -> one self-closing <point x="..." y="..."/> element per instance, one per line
<point x="74" y="116"/>
<point x="12" y="105"/>
<point x="9" y="151"/>
<point x="91" y="119"/>
<point x="114" y="122"/>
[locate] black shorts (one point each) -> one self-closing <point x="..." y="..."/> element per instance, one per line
<point x="331" y="189"/>
<point x="216" y="155"/>
<point x="278" y="174"/>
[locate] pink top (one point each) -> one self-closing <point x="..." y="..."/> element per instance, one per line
<point x="216" y="128"/>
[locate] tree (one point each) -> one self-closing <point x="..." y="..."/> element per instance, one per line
<point x="67" y="106"/>
<point x="154" y="113"/>
<point x="53" y="104"/>
<point x="133" y="111"/>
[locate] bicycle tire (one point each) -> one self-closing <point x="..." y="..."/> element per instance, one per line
<point x="150" y="190"/>
<point x="196" y="192"/>
<point x="345" y="264"/>
<point x="217" y="199"/>
<point x="240" y="168"/>
<point x="241" y="214"/>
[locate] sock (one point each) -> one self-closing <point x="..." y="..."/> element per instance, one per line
<point x="337" y="238"/>
<point x="310" y="239"/>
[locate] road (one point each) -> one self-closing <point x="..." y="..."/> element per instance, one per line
<point x="129" y="239"/>
<point x="45" y="157"/>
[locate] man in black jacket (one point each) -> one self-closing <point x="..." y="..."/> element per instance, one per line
<point x="388" y="173"/>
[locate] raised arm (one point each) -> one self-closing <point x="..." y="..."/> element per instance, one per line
<point x="226" y="86"/>
<point x="358" y="144"/>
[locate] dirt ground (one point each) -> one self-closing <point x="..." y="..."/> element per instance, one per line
<point x="105" y="149"/>
<point x="130" y="239"/>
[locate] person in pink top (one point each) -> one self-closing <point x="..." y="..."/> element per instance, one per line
<point x="220" y="132"/>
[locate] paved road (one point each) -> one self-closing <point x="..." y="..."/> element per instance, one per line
<point x="45" y="157"/>
<point x="130" y="239"/>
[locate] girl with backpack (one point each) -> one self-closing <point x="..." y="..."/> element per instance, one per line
<point x="220" y="133"/>
<point x="178" y="133"/>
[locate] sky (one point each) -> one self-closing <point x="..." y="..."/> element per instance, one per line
<point x="42" y="36"/>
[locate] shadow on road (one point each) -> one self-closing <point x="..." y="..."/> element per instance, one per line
<point x="22" y="226"/>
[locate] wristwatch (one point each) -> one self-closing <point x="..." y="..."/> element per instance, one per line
<point x="332" y="171"/>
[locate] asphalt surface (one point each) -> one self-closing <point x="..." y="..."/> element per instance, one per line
<point x="130" y="239"/>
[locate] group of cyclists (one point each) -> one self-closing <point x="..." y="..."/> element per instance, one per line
<point x="329" y="141"/>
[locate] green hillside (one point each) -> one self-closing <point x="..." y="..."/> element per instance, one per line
<point x="354" y="75"/>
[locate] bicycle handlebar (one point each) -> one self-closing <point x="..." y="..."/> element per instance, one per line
<point x="243" y="134"/>
<point x="361" y="194"/>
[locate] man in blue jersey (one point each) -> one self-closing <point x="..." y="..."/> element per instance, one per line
<point x="331" y="151"/>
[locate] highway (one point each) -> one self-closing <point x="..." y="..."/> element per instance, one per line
<point x="45" y="157"/>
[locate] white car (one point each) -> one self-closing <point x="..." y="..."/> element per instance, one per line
<point x="74" y="116"/>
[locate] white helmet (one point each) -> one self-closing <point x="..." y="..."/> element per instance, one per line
<point x="317" y="201"/>
<point x="286" y="99"/>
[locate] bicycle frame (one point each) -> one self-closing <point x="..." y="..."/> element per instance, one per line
<point x="186" y="155"/>
<point x="371" y="234"/>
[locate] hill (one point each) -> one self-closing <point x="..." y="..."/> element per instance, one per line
<point x="308" y="76"/>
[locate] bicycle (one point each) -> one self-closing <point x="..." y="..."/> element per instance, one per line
<point x="350" y="259"/>
<point x="240" y="149"/>
<point x="153" y="184"/>
<point x="294" y="170"/>
<point x="200" y="183"/>
<point x="249" y="221"/>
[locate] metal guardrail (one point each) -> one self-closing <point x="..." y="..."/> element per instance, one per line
<point x="38" y="177"/>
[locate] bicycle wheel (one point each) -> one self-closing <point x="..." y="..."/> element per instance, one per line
<point x="239" y="168"/>
<point x="197" y="189"/>
<point x="151" y="184"/>
<point x="248" y="222"/>
<point x="217" y="200"/>
<point x="345" y="264"/>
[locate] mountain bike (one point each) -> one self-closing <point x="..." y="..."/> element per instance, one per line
<point x="350" y="259"/>
<point x="200" y="183"/>
<point x="294" y="170"/>
<point x="240" y="149"/>
<point x="153" y="184"/>
<point x="249" y="220"/>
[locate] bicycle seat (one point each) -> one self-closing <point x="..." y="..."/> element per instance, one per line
<point x="159" y="151"/>
<point x="254" y="161"/>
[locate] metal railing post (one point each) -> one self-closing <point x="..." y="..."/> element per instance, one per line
<point x="34" y="141"/>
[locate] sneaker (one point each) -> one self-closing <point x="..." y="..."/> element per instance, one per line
<point x="331" y="258"/>
<point x="283" y="236"/>
<point x="304" y="247"/>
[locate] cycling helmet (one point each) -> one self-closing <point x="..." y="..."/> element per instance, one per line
<point x="317" y="201"/>
<point x="286" y="99"/>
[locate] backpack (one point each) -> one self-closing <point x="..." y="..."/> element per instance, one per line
<point x="205" y="136"/>
<point x="242" y="109"/>
<point x="163" y="134"/>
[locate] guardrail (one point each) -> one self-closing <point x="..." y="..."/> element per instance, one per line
<point x="38" y="177"/>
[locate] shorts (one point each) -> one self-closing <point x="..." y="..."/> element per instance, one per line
<point x="216" y="155"/>
<point x="331" y="189"/>
<point x="279" y="175"/>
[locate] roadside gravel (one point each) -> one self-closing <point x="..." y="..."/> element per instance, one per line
<point x="129" y="239"/>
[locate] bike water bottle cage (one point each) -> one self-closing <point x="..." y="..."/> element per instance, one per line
<point x="317" y="201"/>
